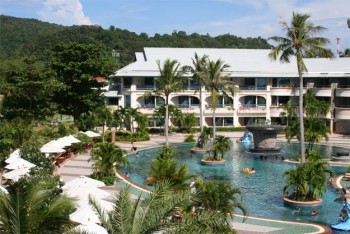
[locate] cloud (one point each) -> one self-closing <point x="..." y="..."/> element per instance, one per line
<point x="65" y="12"/>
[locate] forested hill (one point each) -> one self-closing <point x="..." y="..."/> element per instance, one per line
<point x="19" y="36"/>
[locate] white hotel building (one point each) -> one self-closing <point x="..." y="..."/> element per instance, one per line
<point x="264" y="86"/>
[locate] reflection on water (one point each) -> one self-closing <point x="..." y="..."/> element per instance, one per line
<point x="263" y="190"/>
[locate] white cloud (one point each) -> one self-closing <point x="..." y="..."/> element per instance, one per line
<point x="65" y="12"/>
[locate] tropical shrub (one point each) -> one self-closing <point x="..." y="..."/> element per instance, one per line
<point x="107" y="158"/>
<point x="218" y="196"/>
<point x="190" y="139"/>
<point x="307" y="181"/>
<point x="164" y="168"/>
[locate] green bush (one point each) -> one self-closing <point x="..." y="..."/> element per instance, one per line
<point x="128" y="136"/>
<point x="108" y="180"/>
<point x="190" y="139"/>
<point x="230" y="129"/>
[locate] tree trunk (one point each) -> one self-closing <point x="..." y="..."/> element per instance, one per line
<point x="166" y="120"/>
<point x="301" y="113"/>
<point x="214" y="124"/>
<point x="200" y="107"/>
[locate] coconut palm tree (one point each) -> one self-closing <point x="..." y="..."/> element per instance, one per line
<point x="300" y="42"/>
<point x="168" y="82"/>
<point x="104" y="117"/>
<point x="33" y="206"/>
<point x="174" y="113"/>
<point x="218" y="196"/>
<point x="308" y="180"/>
<point x="289" y="112"/>
<point x="164" y="168"/>
<point x="204" y="137"/>
<point x="217" y="82"/>
<point x="106" y="157"/>
<point x="153" y="214"/>
<point x="222" y="144"/>
<point x="200" y="74"/>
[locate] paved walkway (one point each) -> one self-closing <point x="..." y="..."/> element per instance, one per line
<point x="80" y="165"/>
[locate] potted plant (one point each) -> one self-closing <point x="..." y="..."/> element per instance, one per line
<point x="306" y="184"/>
<point x="220" y="147"/>
<point x="203" y="140"/>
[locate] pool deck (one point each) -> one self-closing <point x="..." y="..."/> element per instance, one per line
<point x="80" y="165"/>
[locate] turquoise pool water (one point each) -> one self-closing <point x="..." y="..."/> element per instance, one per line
<point x="262" y="191"/>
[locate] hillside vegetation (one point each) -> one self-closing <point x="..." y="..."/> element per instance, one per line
<point x="21" y="37"/>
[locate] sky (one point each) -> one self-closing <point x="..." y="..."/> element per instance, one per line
<point x="244" y="18"/>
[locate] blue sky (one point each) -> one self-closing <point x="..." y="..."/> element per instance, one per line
<point x="245" y="18"/>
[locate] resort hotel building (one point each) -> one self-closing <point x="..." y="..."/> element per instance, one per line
<point x="264" y="85"/>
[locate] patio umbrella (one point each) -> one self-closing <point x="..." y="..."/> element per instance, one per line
<point x="91" y="134"/>
<point x="72" y="139"/>
<point x="63" y="142"/>
<point x="90" y="229"/>
<point x="14" y="156"/>
<point x="20" y="163"/>
<point x="85" y="215"/>
<point x="82" y="181"/>
<point x="15" y="175"/>
<point x="83" y="193"/>
<point x="106" y="206"/>
<point x="51" y="147"/>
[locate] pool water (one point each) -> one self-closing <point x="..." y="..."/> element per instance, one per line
<point x="262" y="192"/>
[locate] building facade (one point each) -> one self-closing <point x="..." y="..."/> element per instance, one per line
<point x="264" y="85"/>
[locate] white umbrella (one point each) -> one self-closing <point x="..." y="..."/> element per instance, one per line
<point x="83" y="193"/>
<point x="91" y="229"/>
<point x="72" y="139"/>
<point x="106" y="206"/>
<point x="82" y="181"/>
<point x="15" y="175"/>
<point x="62" y="142"/>
<point x="3" y="190"/>
<point x="20" y="163"/>
<point x="91" y="134"/>
<point x="85" y="215"/>
<point x="14" y="156"/>
<point x="51" y="147"/>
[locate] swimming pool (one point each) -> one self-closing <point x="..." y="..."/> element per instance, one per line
<point x="262" y="191"/>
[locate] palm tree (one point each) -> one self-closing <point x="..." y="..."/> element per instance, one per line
<point x="300" y="42"/>
<point x="216" y="82"/>
<point x="104" y="117"/>
<point x="168" y="82"/>
<point x="164" y="168"/>
<point x="289" y="112"/>
<point x="151" y="215"/>
<point x="174" y="113"/>
<point x="34" y="206"/>
<point x="188" y="121"/>
<point x="200" y="74"/>
<point x="106" y="157"/>
<point x="204" y="137"/>
<point x="221" y="146"/>
<point x="218" y="196"/>
<point x="308" y="180"/>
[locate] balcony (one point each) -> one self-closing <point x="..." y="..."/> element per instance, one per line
<point x="342" y="112"/>
<point x="342" y="91"/>
<point x="145" y="87"/>
<point x="252" y="87"/>
<point x="252" y="109"/>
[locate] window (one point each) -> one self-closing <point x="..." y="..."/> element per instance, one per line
<point x="113" y="101"/>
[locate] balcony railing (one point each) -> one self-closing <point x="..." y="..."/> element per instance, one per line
<point x="220" y="106"/>
<point x="150" y="106"/>
<point x="187" y="106"/>
<point x="252" y="107"/>
<point x="145" y="87"/>
<point x="252" y="87"/>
